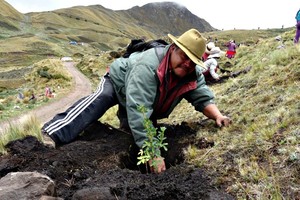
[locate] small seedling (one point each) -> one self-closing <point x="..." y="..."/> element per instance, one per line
<point x="154" y="142"/>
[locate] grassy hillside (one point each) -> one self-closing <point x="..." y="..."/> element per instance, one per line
<point x="32" y="80"/>
<point x="258" y="156"/>
<point x="247" y="37"/>
<point x="8" y="11"/>
<point x="28" y="38"/>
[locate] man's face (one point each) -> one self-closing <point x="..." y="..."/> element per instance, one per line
<point x="182" y="65"/>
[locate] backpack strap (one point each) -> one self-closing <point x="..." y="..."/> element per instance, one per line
<point x="159" y="51"/>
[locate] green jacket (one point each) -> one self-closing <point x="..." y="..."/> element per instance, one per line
<point x="136" y="82"/>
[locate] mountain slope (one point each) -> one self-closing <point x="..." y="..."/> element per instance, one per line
<point x="8" y="11"/>
<point x="96" y="27"/>
<point x="9" y="17"/>
<point x="103" y="25"/>
<point x="166" y="17"/>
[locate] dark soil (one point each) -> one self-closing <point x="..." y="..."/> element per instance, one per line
<point x="103" y="159"/>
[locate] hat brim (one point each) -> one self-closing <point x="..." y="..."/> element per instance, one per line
<point x="207" y="51"/>
<point x="194" y="58"/>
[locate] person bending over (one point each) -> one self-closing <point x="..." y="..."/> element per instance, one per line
<point x="158" y="79"/>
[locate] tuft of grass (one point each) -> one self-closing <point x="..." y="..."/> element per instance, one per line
<point x="29" y="126"/>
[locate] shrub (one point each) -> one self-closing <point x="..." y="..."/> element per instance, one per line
<point x="153" y="144"/>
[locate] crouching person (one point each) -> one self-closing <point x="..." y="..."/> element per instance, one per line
<point x="158" y="79"/>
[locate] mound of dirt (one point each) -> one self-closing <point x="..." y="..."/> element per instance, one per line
<point x="103" y="160"/>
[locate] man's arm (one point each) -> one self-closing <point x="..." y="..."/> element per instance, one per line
<point x="211" y="111"/>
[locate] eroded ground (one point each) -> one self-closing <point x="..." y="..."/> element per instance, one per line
<point x="103" y="159"/>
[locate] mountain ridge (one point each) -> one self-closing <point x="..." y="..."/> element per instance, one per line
<point x="152" y="20"/>
<point x="27" y="38"/>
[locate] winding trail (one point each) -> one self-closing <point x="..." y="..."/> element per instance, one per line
<point x="81" y="87"/>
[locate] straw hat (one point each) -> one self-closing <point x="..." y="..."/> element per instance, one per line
<point x="216" y="53"/>
<point x="193" y="45"/>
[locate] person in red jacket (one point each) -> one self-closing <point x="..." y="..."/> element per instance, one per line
<point x="231" y="51"/>
<point x="297" y="35"/>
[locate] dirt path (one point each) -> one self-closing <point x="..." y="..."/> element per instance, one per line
<point x="82" y="87"/>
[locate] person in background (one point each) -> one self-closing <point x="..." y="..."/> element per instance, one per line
<point x="297" y="35"/>
<point x="20" y="95"/>
<point x="48" y="92"/>
<point x="211" y="65"/>
<point x="216" y="40"/>
<point x="231" y="49"/>
<point x="157" y="79"/>
<point x="32" y="97"/>
<point x="208" y="48"/>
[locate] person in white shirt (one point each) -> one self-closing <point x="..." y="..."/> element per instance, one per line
<point x="211" y="65"/>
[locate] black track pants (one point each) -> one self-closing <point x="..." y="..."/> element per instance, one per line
<point x="66" y="126"/>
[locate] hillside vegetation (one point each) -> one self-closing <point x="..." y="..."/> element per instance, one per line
<point x="260" y="153"/>
<point x="95" y="28"/>
<point x="257" y="157"/>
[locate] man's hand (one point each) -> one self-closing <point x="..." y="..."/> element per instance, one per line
<point x="211" y="111"/>
<point x="157" y="165"/>
<point x="223" y="121"/>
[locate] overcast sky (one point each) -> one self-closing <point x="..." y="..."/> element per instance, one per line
<point x="221" y="14"/>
